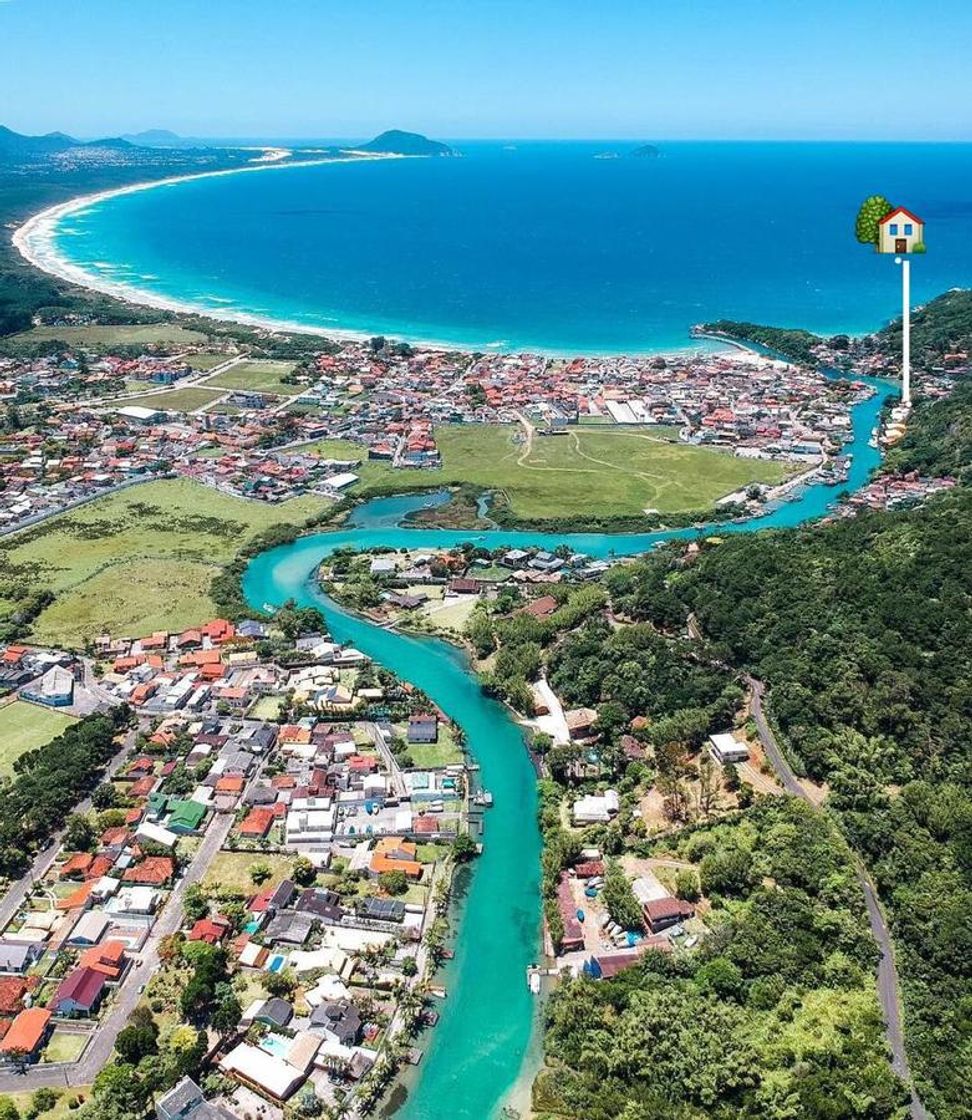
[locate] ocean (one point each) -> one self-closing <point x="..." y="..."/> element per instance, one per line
<point x="540" y="245"/>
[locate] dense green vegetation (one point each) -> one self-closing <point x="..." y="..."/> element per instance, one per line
<point x="49" y="781"/>
<point x="773" y="1017"/>
<point x="791" y="342"/>
<point x="942" y="326"/>
<point x="863" y="631"/>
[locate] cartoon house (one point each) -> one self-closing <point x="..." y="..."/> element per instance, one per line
<point x="899" y="231"/>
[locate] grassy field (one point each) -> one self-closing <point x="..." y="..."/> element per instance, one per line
<point x="24" y="726"/>
<point x="125" y="335"/>
<point x="174" y="400"/>
<point x="205" y="360"/>
<point x="596" y="470"/>
<point x="65" y="1046"/>
<point x="231" y="870"/>
<point x="60" y="1110"/>
<point x="444" y="752"/>
<point x="259" y="377"/>
<point x="146" y="552"/>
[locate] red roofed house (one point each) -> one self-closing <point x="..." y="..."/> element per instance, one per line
<point x="899" y="231"/>
<point x="12" y="992"/>
<point x="210" y="930"/>
<point x="76" y="866"/>
<point x="257" y="822"/>
<point x="662" y="913"/>
<point x="27" y="1034"/>
<point x="153" y="871"/>
<point x="79" y="993"/>
<point x="107" y="958"/>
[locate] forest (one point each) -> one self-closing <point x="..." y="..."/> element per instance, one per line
<point x="862" y="631"/>
<point x="775" y="1017"/>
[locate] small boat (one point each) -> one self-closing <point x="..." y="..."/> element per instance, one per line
<point x="580" y="915"/>
<point x="484" y="798"/>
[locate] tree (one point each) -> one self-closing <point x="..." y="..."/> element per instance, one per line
<point x="870" y="214"/>
<point x="105" y="796"/>
<point x="8" y="1110"/>
<point x="195" y="903"/>
<point x="137" y="1040"/>
<point x="304" y="873"/>
<point x="228" y="1011"/>
<point x="282" y="983"/>
<point x="409" y="967"/>
<point x="463" y="848"/>
<point x="79" y="835"/>
<point x="43" y="1100"/>
<point x="260" y="873"/>
<point x="687" y="885"/>
<point x="393" y="882"/>
<point x="619" y="898"/>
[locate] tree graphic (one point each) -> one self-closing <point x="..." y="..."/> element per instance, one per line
<point x="871" y="212"/>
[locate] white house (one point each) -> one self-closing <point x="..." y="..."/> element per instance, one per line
<point x="899" y="231"/>
<point x="596" y="808"/>
<point x="727" y="748"/>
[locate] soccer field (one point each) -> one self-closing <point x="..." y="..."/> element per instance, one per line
<point x="257" y="377"/>
<point x="23" y="727"/>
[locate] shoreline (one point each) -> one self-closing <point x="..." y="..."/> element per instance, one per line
<point x="34" y="241"/>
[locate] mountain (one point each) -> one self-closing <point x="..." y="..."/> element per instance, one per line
<point x="646" y="151"/>
<point x="163" y="138"/>
<point x="396" y="142"/>
<point x="15" y="147"/>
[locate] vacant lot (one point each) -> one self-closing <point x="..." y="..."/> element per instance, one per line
<point x="125" y="335"/>
<point x="259" y="377"/>
<point x="230" y="871"/>
<point x="65" y="1046"/>
<point x="594" y="470"/>
<point x="187" y="399"/>
<point x="140" y="559"/>
<point x="206" y="360"/>
<point x="23" y="727"/>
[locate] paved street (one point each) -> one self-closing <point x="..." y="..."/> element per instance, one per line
<point x="889" y="990"/>
<point x="126" y="997"/>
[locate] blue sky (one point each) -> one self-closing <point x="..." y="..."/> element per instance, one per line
<point x="842" y="69"/>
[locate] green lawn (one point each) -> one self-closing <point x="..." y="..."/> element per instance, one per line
<point x="24" y="726"/>
<point x="61" y="1110"/>
<point x="230" y="871"/>
<point x="592" y="470"/>
<point x="266" y="708"/>
<point x="140" y="559"/>
<point x="443" y="752"/>
<point x="205" y="360"/>
<point x="187" y="399"/>
<point x="259" y="377"/>
<point x="124" y="335"/>
<point x="65" y="1047"/>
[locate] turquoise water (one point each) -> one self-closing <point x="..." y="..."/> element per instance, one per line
<point x="544" y="246"/>
<point x="484" y="1036"/>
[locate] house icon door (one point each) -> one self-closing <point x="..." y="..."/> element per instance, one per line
<point x="901" y="245"/>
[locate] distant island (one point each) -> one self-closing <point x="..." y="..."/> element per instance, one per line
<point x="399" y="143"/>
<point x="646" y="151"/>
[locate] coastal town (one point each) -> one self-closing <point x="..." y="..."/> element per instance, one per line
<point x="273" y="430"/>
<point x="269" y="853"/>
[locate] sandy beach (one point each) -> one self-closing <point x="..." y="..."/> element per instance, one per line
<point x="34" y="240"/>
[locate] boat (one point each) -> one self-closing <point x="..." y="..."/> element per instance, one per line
<point x="484" y="798"/>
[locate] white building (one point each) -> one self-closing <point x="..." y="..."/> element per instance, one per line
<point x="596" y="808"/>
<point x="725" y="747"/>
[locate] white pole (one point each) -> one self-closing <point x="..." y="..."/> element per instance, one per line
<point x="905" y="332"/>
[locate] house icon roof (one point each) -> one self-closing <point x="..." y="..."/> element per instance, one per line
<point x="898" y="212"/>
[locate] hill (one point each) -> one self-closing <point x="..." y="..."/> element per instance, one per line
<point x="646" y="151"/>
<point x="396" y="142"/>
<point x="16" y="147"/>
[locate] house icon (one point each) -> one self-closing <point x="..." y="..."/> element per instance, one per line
<point x="899" y="231"/>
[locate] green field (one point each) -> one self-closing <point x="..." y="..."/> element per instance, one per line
<point x="230" y="871"/>
<point x="125" y="335"/>
<point x="205" y="360"/>
<point x="187" y="399"/>
<point x="596" y="470"/>
<point x="65" y="1046"/>
<point x="24" y="726"/>
<point x="140" y="559"/>
<point x="259" y="377"/>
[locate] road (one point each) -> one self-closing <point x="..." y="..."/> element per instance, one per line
<point x="13" y="900"/>
<point x="144" y="966"/>
<point x="888" y="986"/>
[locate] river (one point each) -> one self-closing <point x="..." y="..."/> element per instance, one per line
<point x="486" y="1035"/>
